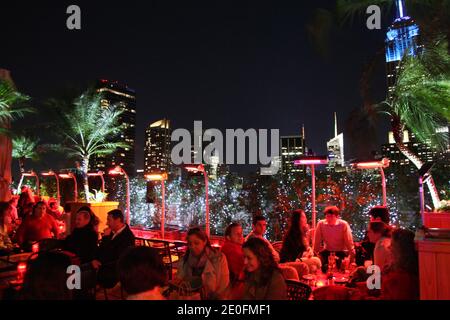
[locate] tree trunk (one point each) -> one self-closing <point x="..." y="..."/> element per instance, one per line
<point x="397" y="129"/>
<point x="85" y="168"/>
<point x="22" y="164"/>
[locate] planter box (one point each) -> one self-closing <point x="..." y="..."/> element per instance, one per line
<point x="434" y="261"/>
<point x="100" y="209"/>
<point x="437" y="220"/>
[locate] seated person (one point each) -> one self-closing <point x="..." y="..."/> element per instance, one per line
<point x="6" y="245"/>
<point x="380" y="235"/>
<point x="40" y="225"/>
<point x="232" y="249"/>
<point x="264" y="280"/>
<point x="116" y="239"/>
<point x="336" y="236"/>
<point x="259" y="227"/>
<point x="365" y="251"/>
<point x="142" y="273"/>
<point x="83" y="239"/>
<point x="46" y="277"/>
<point x="401" y="280"/>
<point x="204" y="267"/>
<point x="295" y="251"/>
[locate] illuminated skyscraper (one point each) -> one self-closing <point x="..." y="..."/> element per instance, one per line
<point x="335" y="149"/>
<point x="123" y="98"/>
<point x="292" y="147"/>
<point x="157" y="147"/>
<point x="402" y="39"/>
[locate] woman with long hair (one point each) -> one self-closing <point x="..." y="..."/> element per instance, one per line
<point x="204" y="267"/>
<point x="401" y="281"/>
<point x="294" y="242"/>
<point x="5" y="221"/>
<point x="264" y="280"/>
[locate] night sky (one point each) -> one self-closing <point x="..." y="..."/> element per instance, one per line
<point x="232" y="64"/>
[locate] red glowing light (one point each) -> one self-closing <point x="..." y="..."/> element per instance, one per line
<point x="35" y="248"/>
<point x="156" y="177"/>
<point x="195" y="169"/>
<point x="372" y="164"/>
<point x="116" y="171"/>
<point x="310" y="162"/>
<point x="65" y="176"/>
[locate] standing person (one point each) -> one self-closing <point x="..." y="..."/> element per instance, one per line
<point x="38" y="226"/>
<point x="142" y="273"/>
<point x="380" y="235"/>
<point x="116" y="239"/>
<point x="336" y="236"/>
<point x="259" y="227"/>
<point x="264" y="280"/>
<point x="204" y="267"/>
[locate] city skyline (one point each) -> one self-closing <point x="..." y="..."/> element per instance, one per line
<point x="254" y="59"/>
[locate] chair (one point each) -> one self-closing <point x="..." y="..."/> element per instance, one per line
<point x="298" y="290"/>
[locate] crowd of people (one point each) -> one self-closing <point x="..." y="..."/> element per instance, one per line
<point x="250" y="268"/>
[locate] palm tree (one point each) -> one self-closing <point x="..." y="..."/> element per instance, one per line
<point x="89" y="130"/>
<point x="421" y="98"/>
<point x="11" y="108"/>
<point x="24" y="148"/>
<point x="420" y="102"/>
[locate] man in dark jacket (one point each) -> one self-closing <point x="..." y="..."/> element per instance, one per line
<point x="116" y="239"/>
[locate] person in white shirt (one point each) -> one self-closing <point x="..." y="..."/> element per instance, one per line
<point x="333" y="235"/>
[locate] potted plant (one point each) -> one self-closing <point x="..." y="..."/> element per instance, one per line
<point x="89" y="129"/>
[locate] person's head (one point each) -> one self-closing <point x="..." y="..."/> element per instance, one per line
<point x="14" y="201"/>
<point x="259" y="257"/>
<point x="94" y="221"/>
<point x="5" y="216"/>
<point x="331" y="214"/>
<point x="39" y="209"/>
<point x="82" y="219"/>
<point x="379" y="213"/>
<point x="234" y="233"/>
<point x="115" y="219"/>
<point x="141" y="269"/>
<point x="377" y="230"/>
<point x="46" y="277"/>
<point x="259" y="225"/>
<point x="52" y="204"/>
<point x="197" y="241"/>
<point x="403" y="251"/>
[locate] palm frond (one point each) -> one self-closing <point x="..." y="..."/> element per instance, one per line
<point x="25" y="147"/>
<point x="422" y="93"/>
<point x="11" y="102"/>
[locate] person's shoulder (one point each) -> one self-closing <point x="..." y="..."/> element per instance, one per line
<point x="321" y="222"/>
<point x="343" y="222"/>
